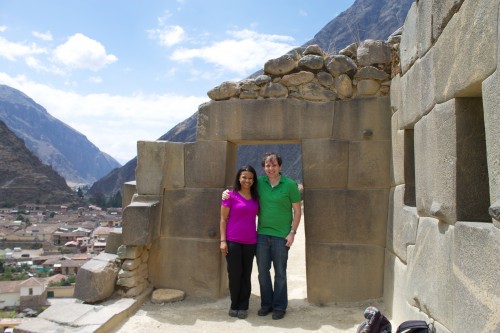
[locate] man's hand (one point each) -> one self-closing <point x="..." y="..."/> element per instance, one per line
<point x="289" y="239"/>
<point x="225" y="194"/>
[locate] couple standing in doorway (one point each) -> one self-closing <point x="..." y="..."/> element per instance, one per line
<point x="276" y="200"/>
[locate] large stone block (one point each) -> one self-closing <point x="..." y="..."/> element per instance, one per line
<point x="325" y="163"/>
<point x="424" y="26"/>
<point x="192" y="265"/>
<point x="398" y="153"/>
<point x="430" y="271"/>
<point x="418" y="88"/>
<point x="401" y="225"/>
<point x="450" y="158"/>
<point x="369" y="164"/>
<point x="316" y="120"/>
<point x="96" y="279"/>
<point x="191" y="213"/>
<point x="491" y="103"/>
<point x="140" y="222"/>
<point x="278" y="120"/>
<point x="362" y="119"/>
<point x="128" y="191"/>
<point x="346" y="216"/>
<point x="343" y="272"/>
<point x="408" y="47"/>
<point x="395" y="93"/>
<point x="396" y="292"/>
<point x="442" y="12"/>
<point x="114" y="241"/>
<point x="210" y="164"/>
<point x="159" y="163"/>
<point x="470" y="39"/>
<point x="476" y="277"/>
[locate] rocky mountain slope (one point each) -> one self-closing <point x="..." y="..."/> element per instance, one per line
<point x="56" y="144"/>
<point x="365" y="19"/>
<point x="24" y="178"/>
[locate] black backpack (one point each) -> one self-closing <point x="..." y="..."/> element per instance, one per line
<point x="375" y="322"/>
<point x="415" y="326"/>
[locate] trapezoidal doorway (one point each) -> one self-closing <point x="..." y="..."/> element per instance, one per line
<point x="346" y="149"/>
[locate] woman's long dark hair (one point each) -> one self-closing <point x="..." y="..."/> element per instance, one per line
<point x="253" y="188"/>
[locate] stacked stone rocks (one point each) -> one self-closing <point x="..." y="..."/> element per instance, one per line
<point x="133" y="275"/>
<point x="359" y="70"/>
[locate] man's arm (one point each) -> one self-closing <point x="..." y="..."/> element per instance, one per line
<point x="297" y="213"/>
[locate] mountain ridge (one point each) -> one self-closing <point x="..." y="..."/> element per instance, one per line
<point x="55" y="143"/>
<point x="24" y="178"/>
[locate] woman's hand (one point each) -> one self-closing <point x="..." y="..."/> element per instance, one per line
<point x="223" y="247"/>
<point x="225" y="194"/>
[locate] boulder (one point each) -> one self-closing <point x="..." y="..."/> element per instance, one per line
<point x="96" y="279"/>
<point x="340" y="64"/>
<point x="372" y="52"/>
<point x="224" y="91"/>
<point x="280" y="66"/>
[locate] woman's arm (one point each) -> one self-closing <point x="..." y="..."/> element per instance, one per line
<point x="224" y="213"/>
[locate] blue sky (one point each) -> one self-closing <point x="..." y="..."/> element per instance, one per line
<point x="119" y="71"/>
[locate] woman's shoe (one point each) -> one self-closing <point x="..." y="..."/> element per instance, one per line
<point x="233" y="313"/>
<point x="242" y="314"/>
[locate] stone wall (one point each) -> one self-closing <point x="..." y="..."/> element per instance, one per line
<point x="443" y="238"/>
<point x="310" y="74"/>
<point x="177" y="205"/>
<point x="337" y="108"/>
<point x="405" y="202"/>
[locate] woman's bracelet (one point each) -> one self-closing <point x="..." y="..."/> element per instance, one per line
<point x="223" y="240"/>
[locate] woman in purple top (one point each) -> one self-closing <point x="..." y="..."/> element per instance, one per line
<point x="239" y="238"/>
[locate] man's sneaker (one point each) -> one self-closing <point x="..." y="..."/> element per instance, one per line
<point x="278" y="314"/>
<point x="264" y="311"/>
<point x="242" y="314"/>
<point x="233" y="313"/>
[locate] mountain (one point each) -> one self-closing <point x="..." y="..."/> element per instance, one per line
<point x="56" y="144"/>
<point x="24" y="178"/>
<point x="112" y="183"/>
<point x="365" y="19"/>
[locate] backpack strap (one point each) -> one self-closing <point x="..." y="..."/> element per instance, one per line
<point x="412" y="324"/>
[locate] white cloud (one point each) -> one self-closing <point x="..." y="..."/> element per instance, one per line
<point x="114" y="123"/>
<point x="169" y="35"/>
<point x="81" y="52"/>
<point x="12" y="51"/>
<point x="95" y="79"/>
<point x="45" y="36"/>
<point x="246" y="51"/>
<point x="34" y="63"/>
<point x="3" y="28"/>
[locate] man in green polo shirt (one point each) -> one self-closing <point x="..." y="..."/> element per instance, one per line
<point x="279" y="218"/>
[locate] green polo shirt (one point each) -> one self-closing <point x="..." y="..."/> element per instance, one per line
<point x="276" y="215"/>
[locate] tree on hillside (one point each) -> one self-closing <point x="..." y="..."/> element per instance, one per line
<point x="99" y="200"/>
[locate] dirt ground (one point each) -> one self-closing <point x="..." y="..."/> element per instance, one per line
<point x="203" y="315"/>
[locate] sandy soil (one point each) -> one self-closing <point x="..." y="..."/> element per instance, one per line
<point x="203" y="315"/>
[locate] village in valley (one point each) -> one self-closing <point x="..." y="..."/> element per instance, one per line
<point x="42" y="248"/>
